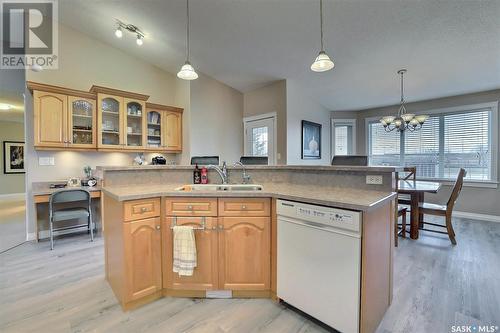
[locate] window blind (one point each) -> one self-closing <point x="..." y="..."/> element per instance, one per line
<point x="446" y="143"/>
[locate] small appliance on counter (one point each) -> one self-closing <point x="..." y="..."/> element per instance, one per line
<point x="159" y="160"/>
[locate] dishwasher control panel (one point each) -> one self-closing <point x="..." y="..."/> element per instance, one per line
<point x="327" y="216"/>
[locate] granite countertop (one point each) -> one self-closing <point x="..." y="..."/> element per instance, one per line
<point x="354" y="199"/>
<point x="256" y="167"/>
<point x="43" y="188"/>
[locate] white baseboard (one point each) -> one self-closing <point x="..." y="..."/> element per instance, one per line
<point x="31" y="236"/>
<point x="476" y="216"/>
<point x="13" y="196"/>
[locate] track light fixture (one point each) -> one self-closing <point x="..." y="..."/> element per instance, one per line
<point x="120" y="26"/>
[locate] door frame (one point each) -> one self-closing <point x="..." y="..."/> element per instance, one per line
<point x="335" y="121"/>
<point x="270" y="115"/>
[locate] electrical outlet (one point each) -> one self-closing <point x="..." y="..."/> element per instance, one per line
<point x="45" y="161"/>
<point x="374" y="180"/>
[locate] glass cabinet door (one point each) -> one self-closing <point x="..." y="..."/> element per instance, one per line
<point x="134" y="123"/>
<point x="110" y="124"/>
<point x="154" y="129"/>
<point x="81" y="121"/>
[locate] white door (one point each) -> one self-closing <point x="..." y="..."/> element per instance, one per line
<point x="343" y="137"/>
<point x="260" y="139"/>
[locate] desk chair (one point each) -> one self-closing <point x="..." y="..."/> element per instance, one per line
<point x="57" y="215"/>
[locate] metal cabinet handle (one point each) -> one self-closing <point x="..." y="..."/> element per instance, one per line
<point x="243" y="207"/>
<point x="190" y="207"/>
<point x="221" y="227"/>
<point x="158" y="227"/>
<point x="143" y="209"/>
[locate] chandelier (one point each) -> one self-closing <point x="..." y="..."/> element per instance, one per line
<point x="403" y="120"/>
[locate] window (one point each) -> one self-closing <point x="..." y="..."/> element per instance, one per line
<point x="343" y="137"/>
<point x="447" y="142"/>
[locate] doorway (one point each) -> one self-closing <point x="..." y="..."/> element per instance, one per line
<point x="12" y="159"/>
<point x="343" y="137"/>
<point x="260" y="136"/>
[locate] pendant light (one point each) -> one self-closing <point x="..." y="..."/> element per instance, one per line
<point x="322" y="63"/>
<point x="187" y="71"/>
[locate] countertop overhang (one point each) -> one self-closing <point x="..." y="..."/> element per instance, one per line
<point x="347" y="198"/>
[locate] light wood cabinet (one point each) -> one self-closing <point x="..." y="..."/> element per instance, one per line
<point x="51" y="119"/>
<point x="245" y="253"/>
<point x="205" y="276"/>
<point x="142" y="240"/>
<point x="63" y="118"/>
<point x="164" y="128"/>
<point x="103" y="119"/>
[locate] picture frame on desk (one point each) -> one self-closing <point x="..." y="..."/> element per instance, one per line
<point x="13" y="157"/>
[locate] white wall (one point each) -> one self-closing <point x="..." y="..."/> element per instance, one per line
<point x="10" y="183"/>
<point x="216" y="113"/>
<point x="301" y="107"/>
<point x="271" y="98"/>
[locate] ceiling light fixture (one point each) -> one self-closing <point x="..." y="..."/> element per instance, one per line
<point x="187" y="71"/>
<point x="4" y="106"/>
<point x="121" y="26"/>
<point x="322" y="63"/>
<point x="403" y="120"/>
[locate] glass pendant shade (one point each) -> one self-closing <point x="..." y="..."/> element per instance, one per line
<point x="414" y="122"/>
<point x="421" y="118"/>
<point x="407" y="117"/>
<point x="187" y="72"/>
<point x="322" y="63"/>
<point x="388" y="119"/>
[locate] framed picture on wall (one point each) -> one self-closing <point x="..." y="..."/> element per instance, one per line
<point x="13" y="157"/>
<point x="311" y="140"/>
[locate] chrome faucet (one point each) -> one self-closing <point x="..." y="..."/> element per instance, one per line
<point x="224" y="176"/>
<point x="246" y="177"/>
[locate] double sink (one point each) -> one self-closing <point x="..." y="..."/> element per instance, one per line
<point x="220" y="187"/>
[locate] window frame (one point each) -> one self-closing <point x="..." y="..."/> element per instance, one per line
<point x="339" y="121"/>
<point x="493" y="132"/>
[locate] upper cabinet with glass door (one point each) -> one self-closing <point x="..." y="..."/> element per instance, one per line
<point x="81" y="122"/>
<point x="164" y="128"/>
<point x="121" y="120"/>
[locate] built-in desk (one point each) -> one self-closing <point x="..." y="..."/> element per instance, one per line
<point x="42" y="192"/>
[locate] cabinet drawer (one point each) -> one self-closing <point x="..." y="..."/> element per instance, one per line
<point x="141" y="209"/>
<point x="245" y="207"/>
<point x="191" y="206"/>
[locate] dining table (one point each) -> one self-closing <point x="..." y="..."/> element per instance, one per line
<point x="416" y="190"/>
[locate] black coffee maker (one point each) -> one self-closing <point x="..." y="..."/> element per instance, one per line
<point x="159" y="160"/>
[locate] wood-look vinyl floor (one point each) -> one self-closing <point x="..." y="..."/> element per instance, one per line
<point x="436" y="286"/>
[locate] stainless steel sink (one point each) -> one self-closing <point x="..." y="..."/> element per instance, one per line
<point x="222" y="188"/>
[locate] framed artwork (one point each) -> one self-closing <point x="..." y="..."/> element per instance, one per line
<point x="311" y="140"/>
<point x="13" y="157"/>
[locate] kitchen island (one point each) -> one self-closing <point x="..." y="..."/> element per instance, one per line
<point x="236" y="231"/>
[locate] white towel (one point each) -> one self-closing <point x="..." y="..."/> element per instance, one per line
<point x="184" y="250"/>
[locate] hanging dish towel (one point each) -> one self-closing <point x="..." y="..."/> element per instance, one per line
<point x="184" y="250"/>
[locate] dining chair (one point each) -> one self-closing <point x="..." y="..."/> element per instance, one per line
<point x="408" y="173"/>
<point x="399" y="212"/>
<point x="444" y="210"/>
<point x="57" y="214"/>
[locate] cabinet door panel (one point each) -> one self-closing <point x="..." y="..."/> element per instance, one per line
<point x="81" y="122"/>
<point x="244" y="253"/>
<point x="110" y="123"/>
<point x="142" y="241"/>
<point x="50" y="115"/>
<point x="205" y="274"/>
<point x="173" y="130"/>
<point x="135" y="123"/>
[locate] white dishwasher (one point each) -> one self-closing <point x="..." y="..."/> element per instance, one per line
<point x="319" y="262"/>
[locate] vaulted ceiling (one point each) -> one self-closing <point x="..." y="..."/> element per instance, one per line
<point x="449" y="47"/>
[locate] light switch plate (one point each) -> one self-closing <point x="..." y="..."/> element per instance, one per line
<point x="45" y="161"/>
<point x="374" y="180"/>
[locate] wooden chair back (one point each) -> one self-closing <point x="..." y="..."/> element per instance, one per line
<point x="410" y="173"/>
<point x="456" y="190"/>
